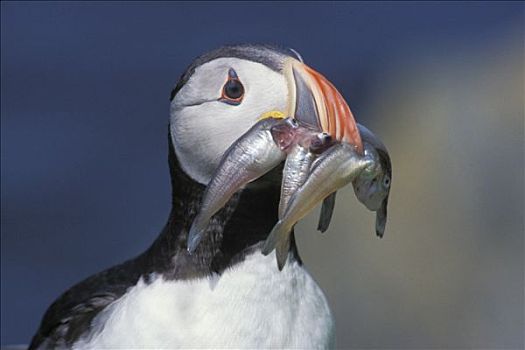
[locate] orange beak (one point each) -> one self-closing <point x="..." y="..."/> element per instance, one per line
<point x="313" y="100"/>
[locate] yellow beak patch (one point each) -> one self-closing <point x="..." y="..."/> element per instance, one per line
<point x="273" y="114"/>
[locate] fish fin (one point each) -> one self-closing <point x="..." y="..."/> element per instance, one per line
<point x="327" y="209"/>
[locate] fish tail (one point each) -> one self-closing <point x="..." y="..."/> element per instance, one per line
<point x="327" y="209"/>
<point x="282" y="249"/>
<point x="278" y="239"/>
<point x="194" y="236"/>
<point x="271" y="240"/>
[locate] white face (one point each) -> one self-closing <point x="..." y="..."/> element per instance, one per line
<point x="203" y="127"/>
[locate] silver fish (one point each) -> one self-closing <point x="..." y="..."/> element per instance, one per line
<point x="302" y="146"/>
<point x="248" y="158"/>
<point x="300" y="143"/>
<point x="307" y="144"/>
<point x="372" y="186"/>
<point x="335" y="168"/>
<point x="295" y="171"/>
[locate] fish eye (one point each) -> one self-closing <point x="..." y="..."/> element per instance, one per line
<point x="293" y="122"/>
<point x="233" y="90"/>
<point x="325" y="137"/>
<point x="386" y="182"/>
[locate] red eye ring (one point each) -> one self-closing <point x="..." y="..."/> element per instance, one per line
<point x="232" y="90"/>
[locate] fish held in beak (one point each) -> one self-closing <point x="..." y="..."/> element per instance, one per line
<point x="307" y="145"/>
<point x="314" y="101"/>
<point x="251" y="156"/>
<point x="372" y="186"/>
<point x="295" y="171"/>
<point x="372" y="189"/>
<point x="335" y="168"/>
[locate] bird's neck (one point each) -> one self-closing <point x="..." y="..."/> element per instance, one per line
<point x="234" y="232"/>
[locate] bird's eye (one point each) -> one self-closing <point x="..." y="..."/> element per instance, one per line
<point x="233" y="90"/>
<point x="386" y="181"/>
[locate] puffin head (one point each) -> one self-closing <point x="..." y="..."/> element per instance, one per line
<point x="226" y="91"/>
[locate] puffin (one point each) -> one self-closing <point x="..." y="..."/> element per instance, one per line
<point x="225" y="294"/>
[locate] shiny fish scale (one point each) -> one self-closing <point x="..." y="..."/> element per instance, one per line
<point x="335" y="168"/>
<point x="248" y="158"/>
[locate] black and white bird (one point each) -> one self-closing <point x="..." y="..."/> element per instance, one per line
<point x="226" y="294"/>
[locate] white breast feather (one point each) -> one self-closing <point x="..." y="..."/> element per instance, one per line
<point x="251" y="305"/>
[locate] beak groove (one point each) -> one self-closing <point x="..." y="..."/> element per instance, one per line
<point x="315" y="101"/>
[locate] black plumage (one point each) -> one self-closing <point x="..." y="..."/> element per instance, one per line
<point x="235" y="231"/>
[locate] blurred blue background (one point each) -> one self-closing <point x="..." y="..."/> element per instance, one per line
<point x="85" y="183"/>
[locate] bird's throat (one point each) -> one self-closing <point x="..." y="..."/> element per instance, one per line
<point x="235" y="231"/>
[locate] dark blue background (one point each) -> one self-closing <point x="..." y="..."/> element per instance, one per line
<point x="84" y="113"/>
